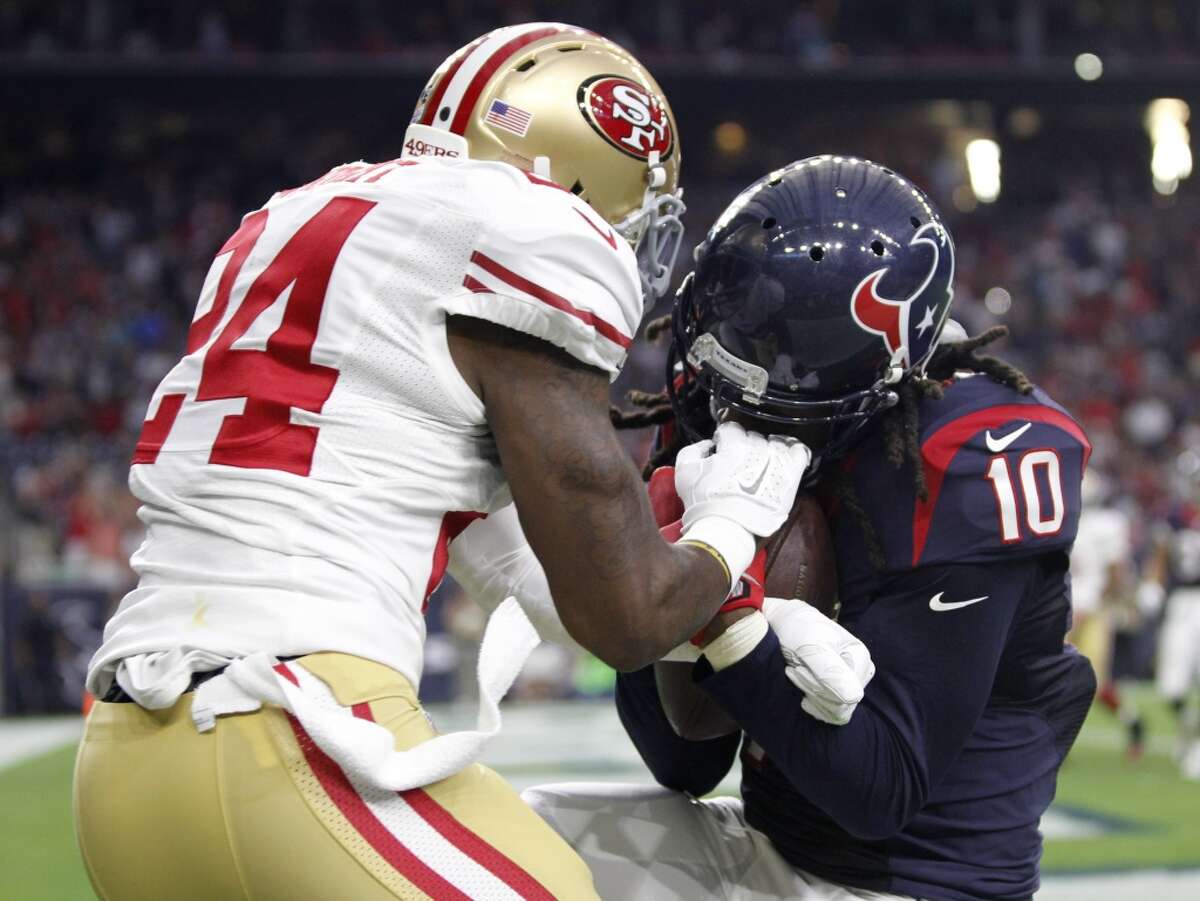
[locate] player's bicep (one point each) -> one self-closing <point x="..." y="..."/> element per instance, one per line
<point x="581" y="503"/>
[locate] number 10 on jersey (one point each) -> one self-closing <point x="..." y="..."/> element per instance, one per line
<point x="1041" y="520"/>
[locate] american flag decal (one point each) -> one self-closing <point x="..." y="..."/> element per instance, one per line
<point x="510" y="118"/>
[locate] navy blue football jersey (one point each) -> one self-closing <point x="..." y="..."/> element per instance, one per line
<point x="936" y="786"/>
<point x="1002" y="471"/>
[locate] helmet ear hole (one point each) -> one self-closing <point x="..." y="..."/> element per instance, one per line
<point x="769" y="222"/>
<point x="817" y="253"/>
<point x="877" y="247"/>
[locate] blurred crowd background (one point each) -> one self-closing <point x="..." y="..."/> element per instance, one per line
<point x="137" y="133"/>
<point x="816" y="32"/>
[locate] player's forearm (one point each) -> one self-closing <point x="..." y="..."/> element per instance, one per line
<point x="936" y="669"/>
<point x="864" y="774"/>
<point x="630" y="597"/>
<point x="691" y="766"/>
<point x="492" y="560"/>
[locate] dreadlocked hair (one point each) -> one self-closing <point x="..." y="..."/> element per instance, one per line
<point x="654" y="408"/>
<point x="902" y="425"/>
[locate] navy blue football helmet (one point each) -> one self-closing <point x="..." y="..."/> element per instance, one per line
<point x="819" y="289"/>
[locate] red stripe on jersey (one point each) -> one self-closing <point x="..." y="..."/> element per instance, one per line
<point x="364" y="821"/>
<point x="484" y="75"/>
<point x="241" y="242"/>
<point x="942" y="446"/>
<point x="282" y="669"/>
<point x="544" y="182"/>
<point x="548" y="297"/>
<point x="469" y="843"/>
<point x="453" y="524"/>
<point x="475" y="285"/>
<point x="606" y="235"/>
<point x="155" y="431"/>
<point x="435" y="99"/>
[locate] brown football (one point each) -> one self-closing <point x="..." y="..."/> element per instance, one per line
<point x="800" y="565"/>
<point x="800" y="559"/>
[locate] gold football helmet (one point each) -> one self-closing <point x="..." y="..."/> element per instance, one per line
<point x="573" y="107"/>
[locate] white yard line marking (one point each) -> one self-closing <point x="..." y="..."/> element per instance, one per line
<point x="1161" y="885"/>
<point x="23" y="739"/>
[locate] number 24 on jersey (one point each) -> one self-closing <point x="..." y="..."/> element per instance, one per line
<point x="281" y="377"/>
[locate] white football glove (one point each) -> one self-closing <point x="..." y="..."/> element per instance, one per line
<point x="824" y="661"/>
<point x="741" y="476"/>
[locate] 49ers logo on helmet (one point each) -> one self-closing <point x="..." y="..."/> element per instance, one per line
<point x="626" y="115"/>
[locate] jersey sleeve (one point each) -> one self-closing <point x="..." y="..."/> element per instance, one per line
<point x="695" y="767"/>
<point x="546" y="264"/>
<point x="492" y="561"/>
<point x="1003" y="481"/>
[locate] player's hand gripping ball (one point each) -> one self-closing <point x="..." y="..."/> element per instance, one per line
<point x="799" y="565"/>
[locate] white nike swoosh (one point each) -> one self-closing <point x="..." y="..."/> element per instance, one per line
<point x="996" y="445"/>
<point x="937" y="605"/>
<point x="752" y="487"/>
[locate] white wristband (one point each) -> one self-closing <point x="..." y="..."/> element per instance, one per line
<point x="736" y="642"/>
<point x="733" y="542"/>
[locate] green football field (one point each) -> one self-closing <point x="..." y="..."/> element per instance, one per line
<point x="1132" y="815"/>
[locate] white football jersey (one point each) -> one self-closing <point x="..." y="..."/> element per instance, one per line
<point x="303" y="468"/>
<point x="1185" y="558"/>
<point x="1103" y="540"/>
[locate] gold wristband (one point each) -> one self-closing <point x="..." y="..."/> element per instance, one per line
<point x="716" y="555"/>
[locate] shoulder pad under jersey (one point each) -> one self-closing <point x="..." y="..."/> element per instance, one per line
<point x="1002" y="472"/>
<point x="547" y="264"/>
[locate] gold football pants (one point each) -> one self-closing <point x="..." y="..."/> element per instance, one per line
<point x="254" y="810"/>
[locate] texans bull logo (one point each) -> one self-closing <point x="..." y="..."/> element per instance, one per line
<point x="909" y="342"/>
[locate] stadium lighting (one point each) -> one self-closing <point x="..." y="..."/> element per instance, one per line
<point x="1171" y="160"/>
<point x="730" y="138"/>
<point x="997" y="301"/>
<point x="1188" y="464"/>
<point x="1024" y="122"/>
<point x="983" y="169"/>
<point x="1088" y="66"/>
